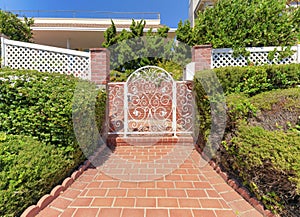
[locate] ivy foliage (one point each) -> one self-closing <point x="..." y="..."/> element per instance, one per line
<point x="135" y="48"/>
<point x="239" y="24"/>
<point x="14" y="28"/>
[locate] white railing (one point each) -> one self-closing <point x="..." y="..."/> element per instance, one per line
<point x="21" y="55"/>
<point x="258" y="56"/>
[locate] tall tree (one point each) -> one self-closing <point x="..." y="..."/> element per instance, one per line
<point x="133" y="48"/>
<point x="242" y="23"/>
<point x="14" y="28"/>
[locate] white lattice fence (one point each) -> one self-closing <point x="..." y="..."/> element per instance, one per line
<point x="21" y="55"/>
<point x="258" y="56"/>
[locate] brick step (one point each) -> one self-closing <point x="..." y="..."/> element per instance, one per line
<point x="114" y="140"/>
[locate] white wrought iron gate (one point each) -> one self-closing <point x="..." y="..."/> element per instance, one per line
<point x="150" y="102"/>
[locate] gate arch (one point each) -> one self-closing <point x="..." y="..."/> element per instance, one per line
<point x="150" y="102"/>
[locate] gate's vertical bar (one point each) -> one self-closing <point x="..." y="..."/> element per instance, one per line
<point x="125" y="109"/>
<point x="174" y="105"/>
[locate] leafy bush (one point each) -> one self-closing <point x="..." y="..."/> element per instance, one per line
<point x="268" y="163"/>
<point x="249" y="81"/>
<point x="37" y="104"/>
<point x="263" y="150"/>
<point x="14" y="28"/>
<point x="261" y="147"/>
<point x="28" y="170"/>
<point x="256" y="79"/>
<point x="42" y="105"/>
<point x="133" y="49"/>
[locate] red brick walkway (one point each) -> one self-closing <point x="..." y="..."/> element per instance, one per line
<point x="188" y="191"/>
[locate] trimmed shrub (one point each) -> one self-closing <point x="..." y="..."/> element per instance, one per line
<point x="263" y="150"/>
<point x="249" y="81"/>
<point x="268" y="164"/>
<point x="37" y="104"/>
<point x="42" y="105"/>
<point x="256" y="79"/>
<point x="261" y="147"/>
<point x="28" y="170"/>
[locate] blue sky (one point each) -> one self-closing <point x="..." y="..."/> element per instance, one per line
<point x="171" y="11"/>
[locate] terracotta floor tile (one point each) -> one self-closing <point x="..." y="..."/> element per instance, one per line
<point x="145" y="202"/>
<point x="167" y="202"/>
<point x="181" y="213"/>
<point x="61" y="203"/>
<point x="102" y="202"/>
<point x="86" y="212"/>
<point x="81" y="202"/>
<point x="49" y="212"/>
<point x="113" y="212"/>
<point x="133" y="212"/>
<point x="157" y="213"/>
<point x="68" y="212"/>
<point x="124" y="202"/>
<point x="204" y="213"/>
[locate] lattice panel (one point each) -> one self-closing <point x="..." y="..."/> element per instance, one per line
<point x="223" y="59"/>
<point x="19" y="57"/>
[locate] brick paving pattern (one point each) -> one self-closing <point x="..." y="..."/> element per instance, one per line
<point x="188" y="191"/>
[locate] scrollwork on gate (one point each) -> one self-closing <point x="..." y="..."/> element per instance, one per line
<point x="151" y="103"/>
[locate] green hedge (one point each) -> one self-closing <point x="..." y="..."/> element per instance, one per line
<point x="28" y="170"/>
<point x="263" y="148"/>
<point x="40" y="105"/>
<point x="260" y="100"/>
<point x="252" y="80"/>
<point x="249" y="81"/>
<point x="268" y="162"/>
<point x="37" y="104"/>
<point x="49" y="107"/>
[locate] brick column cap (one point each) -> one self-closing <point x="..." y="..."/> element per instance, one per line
<point x="98" y="49"/>
<point x="203" y="46"/>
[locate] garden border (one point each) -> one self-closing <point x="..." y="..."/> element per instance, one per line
<point x="237" y="186"/>
<point x="44" y="201"/>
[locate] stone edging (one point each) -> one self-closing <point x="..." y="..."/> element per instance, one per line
<point x="238" y="187"/>
<point x="33" y="210"/>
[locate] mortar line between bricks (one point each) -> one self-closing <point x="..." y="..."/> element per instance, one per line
<point x="98" y="213"/>
<point x="73" y="213"/>
<point x="55" y="208"/>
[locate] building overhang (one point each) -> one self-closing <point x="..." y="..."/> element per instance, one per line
<point x="82" y="33"/>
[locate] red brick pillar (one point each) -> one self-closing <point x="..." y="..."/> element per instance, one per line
<point x="100" y="66"/>
<point x="202" y="56"/>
